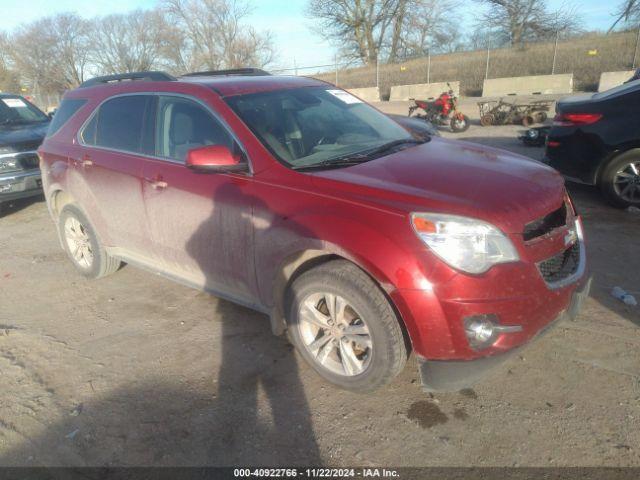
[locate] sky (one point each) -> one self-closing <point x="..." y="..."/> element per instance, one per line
<point x="296" y="43"/>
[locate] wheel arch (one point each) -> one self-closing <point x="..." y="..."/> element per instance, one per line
<point x="617" y="153"/>
<point x="301" y="262"/>
<point x="59" y="199"/>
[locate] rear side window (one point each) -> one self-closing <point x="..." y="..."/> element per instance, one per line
<point x="67" y="109"/>
<point x="120" y="124"/>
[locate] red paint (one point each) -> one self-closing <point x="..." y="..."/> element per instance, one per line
<point x="238" y="229"/>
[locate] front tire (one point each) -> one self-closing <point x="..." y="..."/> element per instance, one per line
<point x="344" y="327"/>
<point x="82" y="245"/>
<point x="459" y="124"/>
<point x="620" y="180"/>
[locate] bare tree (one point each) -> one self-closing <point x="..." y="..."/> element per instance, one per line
<point x="34" y="54"/>
<point x="210" y="34"/>
<point x="360" y="27"/>
<point x="71" y="33"/>
<point x="128" y="42"/>
<point x="370" y="30"/>
<point x="426" y="25"/>
<point x="9" y="81"/>
<point x="520" y="21"/>
<point x="628" y="12"/>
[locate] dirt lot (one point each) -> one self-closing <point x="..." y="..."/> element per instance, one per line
<point x="136" y="370"/>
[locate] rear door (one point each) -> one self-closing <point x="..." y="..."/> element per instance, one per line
<point x="108" y="165"/>
<point x="200" y="223"/>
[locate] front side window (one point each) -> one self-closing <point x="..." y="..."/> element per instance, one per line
<point x="182" y="125"/>
<point x="120" y="124"/>
<point x="311" y="127"/>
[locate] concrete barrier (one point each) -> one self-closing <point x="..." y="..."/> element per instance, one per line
<point x="613" y="79"/>
<point x="370" y="94"/>
<point x="539" y="84"/>
<point x="422" y="91"/>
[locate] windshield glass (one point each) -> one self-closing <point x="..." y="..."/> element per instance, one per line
<point x="307" y="127"/>
<point x="15" y="110"/>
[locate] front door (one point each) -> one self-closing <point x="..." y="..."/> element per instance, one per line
<point x="200" y="223"/>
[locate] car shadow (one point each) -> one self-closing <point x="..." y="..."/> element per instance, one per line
<point x="14" y="206"/>
<point x="254" y="362"/>
<point x="253" y="411"/>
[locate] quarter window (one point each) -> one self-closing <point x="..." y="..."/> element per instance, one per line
<point x="68" y="108"/>
<point x="182" y="125"/>
<point x="120" y="124"/>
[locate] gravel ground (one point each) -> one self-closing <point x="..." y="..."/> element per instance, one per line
<point x="136" y="370"/>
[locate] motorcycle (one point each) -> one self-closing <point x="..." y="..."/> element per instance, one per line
<point x="442" y="111"/>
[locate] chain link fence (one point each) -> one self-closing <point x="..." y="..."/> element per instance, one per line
<point x="586" y="57"/>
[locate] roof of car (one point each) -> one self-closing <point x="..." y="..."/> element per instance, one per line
<point x="242" y="85"/>
<point x="224" y="85"/>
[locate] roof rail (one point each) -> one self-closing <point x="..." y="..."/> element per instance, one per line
<point x="153" y="76"/>
<point x="252" y="72"/>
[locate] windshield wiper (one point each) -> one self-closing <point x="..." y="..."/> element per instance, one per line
<point x="360" y="157"/>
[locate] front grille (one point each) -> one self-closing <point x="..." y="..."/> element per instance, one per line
<point x="29" y="161"/>
<point x="561" y="266"/>
<point x="544" y="225"/>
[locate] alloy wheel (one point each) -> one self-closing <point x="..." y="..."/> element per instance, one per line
<point x="335" y="334"/>
<point x="626" y="182"/>
<point x="78" y="242"/>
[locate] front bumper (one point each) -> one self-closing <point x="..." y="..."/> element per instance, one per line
<point x="21" y="184"/>
<point x="453" y="375"/>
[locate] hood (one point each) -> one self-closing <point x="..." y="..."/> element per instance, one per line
<point x="453" y="177"/>
<point x="22" y="137"/>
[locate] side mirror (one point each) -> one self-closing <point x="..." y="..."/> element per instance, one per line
<point x="215" y="159"/>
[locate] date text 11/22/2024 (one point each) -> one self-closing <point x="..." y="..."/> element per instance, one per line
<point x="315" y="473"/>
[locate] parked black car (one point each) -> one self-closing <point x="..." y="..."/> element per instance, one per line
<point x="595" y="139"/>
<point x="22" y="129"/>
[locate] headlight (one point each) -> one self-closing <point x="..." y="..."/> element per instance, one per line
<point x="467" y="244"/>
<point x="9" y="164"/>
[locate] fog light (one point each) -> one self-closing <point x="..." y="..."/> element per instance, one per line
<point x="483" y="330"/>
<point x="480" y="331"/>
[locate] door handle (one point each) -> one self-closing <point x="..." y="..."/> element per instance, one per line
<point x="85" y="161"/>
<point x="156" y="183"/>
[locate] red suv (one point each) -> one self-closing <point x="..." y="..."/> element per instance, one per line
<point x="359" y="239"/>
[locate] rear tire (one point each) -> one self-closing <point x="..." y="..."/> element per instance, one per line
<point x="528" y="120"/>
<point x="620" y="180"/>
<point x="487" y="120"/>
<point x="82" y="245"/>
<point x="344" y="327"/>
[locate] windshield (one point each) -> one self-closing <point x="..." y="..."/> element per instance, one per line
<point x="15" y="110"/>
<point x="307" y="127"/>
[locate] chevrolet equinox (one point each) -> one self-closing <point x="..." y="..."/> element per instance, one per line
<point x="361" y="240"/>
